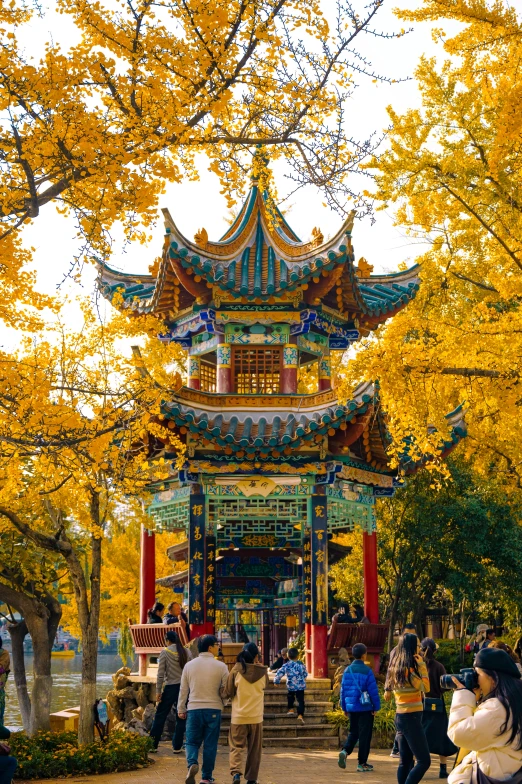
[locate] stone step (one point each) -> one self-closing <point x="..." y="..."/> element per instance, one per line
<point x="282" y="707"/>
<point x="323" y="742"/>
<point x="310" y="696"/>
<point x="294" y="731"/>
<point x="277" y="719"/>
<point x="312" y="684"/>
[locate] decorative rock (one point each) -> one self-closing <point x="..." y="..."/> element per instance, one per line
<point x="142" y="695"/>
<point x="115" y="705"/>
<point x="137" y="713"/>
<point x="127" y="711"/>
<point x="344" y="661"/>
<point x="128" y="693"/>
<point x="137" y="726"/>
<point x="148" y="715"/>
<point x="193" y="648"/>
<point x="120" y="679"/>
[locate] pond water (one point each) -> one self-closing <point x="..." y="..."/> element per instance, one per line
<point x="66" y="684"/>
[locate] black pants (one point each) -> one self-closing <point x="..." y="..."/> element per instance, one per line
<point x="169" y="697"/>
<point x="361" y="728"/>
<point x="412" y="743"/>
<point x="7" y="769"/>
<point x="299" y="695"/>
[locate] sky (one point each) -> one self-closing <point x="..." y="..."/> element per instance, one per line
<point x="197" y="204"/>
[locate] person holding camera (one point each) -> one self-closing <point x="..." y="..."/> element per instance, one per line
<point x="434" y="717"/>
<point x="486" y="717"/>
<point x="408" y="680"/>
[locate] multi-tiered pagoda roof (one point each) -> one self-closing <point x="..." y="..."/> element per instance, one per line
<point x="260" y="284"/>
<point x="261" y="259"/>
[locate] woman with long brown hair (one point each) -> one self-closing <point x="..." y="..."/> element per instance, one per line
<point x="171" y="662"/>
<point x="407" y="680"/>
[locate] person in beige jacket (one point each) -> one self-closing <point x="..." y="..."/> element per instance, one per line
<point x="490" y="730"/>
<point x="246" y="688"/>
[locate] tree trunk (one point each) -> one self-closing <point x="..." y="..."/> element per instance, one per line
<point x="18" y="632"/>
<point x="42" y="683"/>
<point x="88" y="691"/>
<point x="462" y="640"/>
<point x="393" y="615"/>
<point x="90" y="625"/>
<point x="41" y="614"/>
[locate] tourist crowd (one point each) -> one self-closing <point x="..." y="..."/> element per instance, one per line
<point x="483" y="731"/>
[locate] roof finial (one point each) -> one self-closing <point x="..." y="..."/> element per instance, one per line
<point x="317" y="237"/>
<point x="201" y="238"/>
<point x="363" y="269"/>
<point x="348" y="226"/>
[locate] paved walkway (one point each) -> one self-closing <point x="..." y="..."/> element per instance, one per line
<point x="278" y="767"/>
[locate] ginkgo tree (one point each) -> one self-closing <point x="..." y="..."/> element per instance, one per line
<point x="28" y="579"/>
<point x="452" y="172"/>
<point x="98" y="126"/>
<point x="120" y="574"/>
<point x="76" y="419"/>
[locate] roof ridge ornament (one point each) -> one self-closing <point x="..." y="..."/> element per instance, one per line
<point x="363" y="269"/>
<point x="201" y="238"/>
<point x="348" y="226"/>
<point x="317" y="237"/>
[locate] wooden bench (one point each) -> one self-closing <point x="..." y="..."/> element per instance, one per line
<point x="346" y="635"/>
<point x="150" y="637"/>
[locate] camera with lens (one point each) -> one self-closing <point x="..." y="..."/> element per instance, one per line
<point x="468" y="677"/>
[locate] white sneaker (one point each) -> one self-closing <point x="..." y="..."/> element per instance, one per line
<point x="191" y="775"/>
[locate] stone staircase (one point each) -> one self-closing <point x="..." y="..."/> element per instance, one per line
<point x="282" y="731"/>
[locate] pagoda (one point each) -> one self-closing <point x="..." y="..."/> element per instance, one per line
<point x="272" y="473"/>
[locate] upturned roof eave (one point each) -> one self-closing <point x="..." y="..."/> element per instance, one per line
<point x="409" y="275"/>
<point x="318" y="250"/>
<point x="105" y="272"/>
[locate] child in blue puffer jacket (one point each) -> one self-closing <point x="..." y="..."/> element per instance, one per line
<point x="360" y="701"/>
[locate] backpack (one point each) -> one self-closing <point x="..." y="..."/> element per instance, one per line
<point x="479" y="777"/>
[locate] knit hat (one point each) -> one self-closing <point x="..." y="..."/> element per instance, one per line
<point x="430" y="643"/>
<point x="497" y="660"/>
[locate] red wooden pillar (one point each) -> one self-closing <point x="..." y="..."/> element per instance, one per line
<point x="289" y="370"/>
<point x="147" y="581"/>
<point x="308" y="647"/>
<point x="371" y="586"/>
<point x="199" y="629"/>
<point x="325" y="373"/>
<point x="319" y="653"/>
<point x="193" y="372"/>
<point x="224" y="369"/>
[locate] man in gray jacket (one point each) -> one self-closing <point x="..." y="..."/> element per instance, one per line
<point x="202" y="682"/>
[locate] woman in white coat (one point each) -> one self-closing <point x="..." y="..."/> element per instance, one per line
<point x="487" y="723"/>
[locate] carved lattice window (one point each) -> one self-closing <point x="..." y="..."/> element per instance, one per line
<point x="207" y="376"/>
<point x="257" y="370"/>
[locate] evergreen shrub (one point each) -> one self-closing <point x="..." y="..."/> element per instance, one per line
<point x="57" y="754"/>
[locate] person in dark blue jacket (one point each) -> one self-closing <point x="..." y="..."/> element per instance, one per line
<point x="7" y="762"/>
<point x="360" y="701"/>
